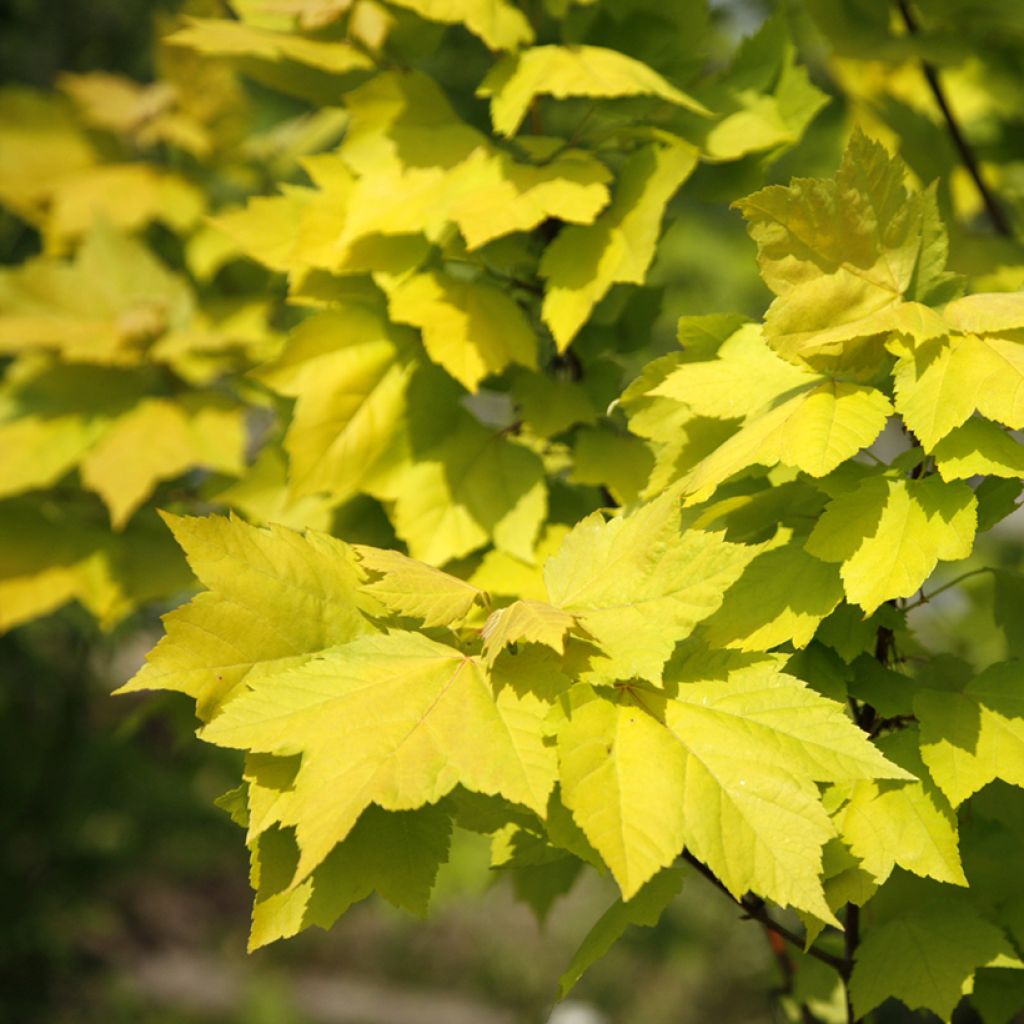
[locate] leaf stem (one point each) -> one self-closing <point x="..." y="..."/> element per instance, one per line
<point x="754" y="908"/>
<point x="956" y="581"/>
<point x="995" y="212"/>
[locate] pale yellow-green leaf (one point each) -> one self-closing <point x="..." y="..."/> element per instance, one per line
<point x="43" y="146"/>
<point x="942" y="382"/>
<point x="526" y="621"/>
<point x="502" y="573"/>
<point x="906" y="823"/>
<point x="417" y="167"/>
<point x="274" y="598"/>
<point x="396" y="720"/>
<point x="471" y="328"/>
<point x="622" y="774"/>
<point x="638" y="584"/>
<point x="36" y="451"/>
<point x="564" y="71"/>
<point x="348" y="371"/>
<point x="495" y="195"/>
<point x="221" y="37"/>
<point x="983" y="313"/>
<point x="129" y="196"/>
<point x="102" y="306"/>
<point x="475" y="487"/>
<point x="840" y="254"/>
<point x="746" y="376"/>
<point x="262" y="495"/>
<point x="732" y="767"/>
<point x="159" y="440"/>
<point x="583" y="262"/>
<point x="815" y="430"/>
<point x="973" y="735"/>
<point x="413" y="588"/>
<point x="500" y="24"/>
<point x="265" y="229"/>
<point x="890" y="534"/>
<point x="781" y="597"/>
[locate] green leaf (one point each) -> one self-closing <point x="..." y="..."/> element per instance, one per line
<point x="583" y="262"/>
<point x="978" y="448"/>
<point x="563" y="71"/>
<point x="948" y="938"/>
<point x="890" y="534"/>
<point x="56" y="553"/>
<point x="643" y="910"/>
<point x="974" y="734"/>
<point x="767" y="99"/>
<point x="274" y="598"/>
<point x="782" y="596"/>
<point x="638" y="585"/>
<point x="471" y="328"/>
<point x="606" y="458"/>
<point x="396" y="854"/>
<point x="396" y="720"/>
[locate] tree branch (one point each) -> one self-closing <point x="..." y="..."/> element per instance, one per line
<point x="925" y="598"/>
<point x="851" y="934"/>
<point x="755" y="908"/>
<point x="995" y="212"/>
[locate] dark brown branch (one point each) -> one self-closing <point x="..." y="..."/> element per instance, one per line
<point x="756" y="910"/>
<point x="995" y="212"/>
<point x="851" y="934"/>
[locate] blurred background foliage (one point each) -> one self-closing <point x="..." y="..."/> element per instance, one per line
<point x="124" y="895"/>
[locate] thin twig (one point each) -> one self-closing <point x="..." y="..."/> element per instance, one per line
<point x="956" y="581"/>
<point x="755" y="909"/>
<point x="995" y="212"/>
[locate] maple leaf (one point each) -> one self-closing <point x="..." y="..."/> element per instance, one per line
<point x="408" y="587"/>
<point x="890" y="534"/>
<point x="526" y="622"/>
<point x="583" y="262"/>
<point x="844" y="255"/>
<point x="396" y="720"/>
<point x="725" y="768"/>
<point x="973" y="733"/>
<point x="471" y="328"/>
<point x="638" y="584"/>
<point x="274" y="599"/>
<point x="563" y="71"/>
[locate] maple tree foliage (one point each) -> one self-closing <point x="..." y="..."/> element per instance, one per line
<point x="501" y="560"/>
